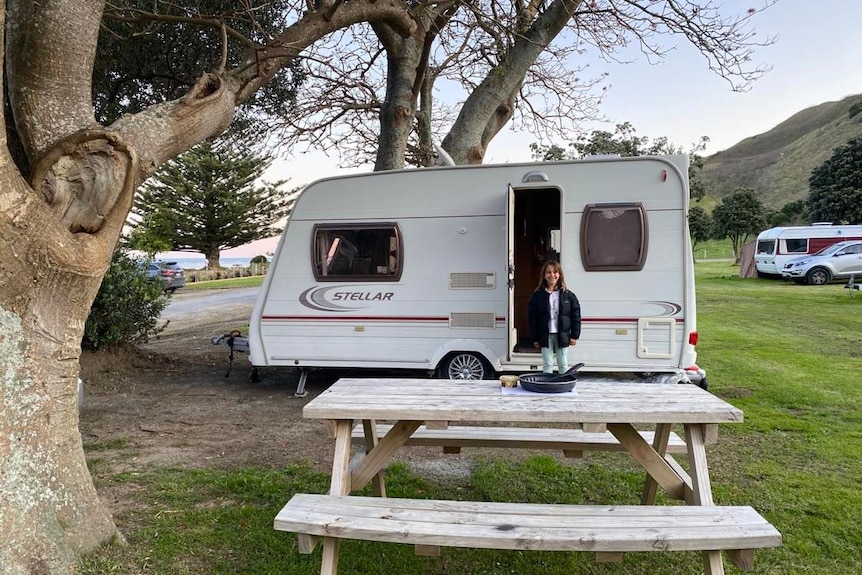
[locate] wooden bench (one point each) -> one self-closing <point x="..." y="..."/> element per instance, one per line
<point x="607" y="531"/>
<point x="572" y="442"/>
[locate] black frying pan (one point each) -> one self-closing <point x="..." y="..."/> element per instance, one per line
<point x="549" y="382"/>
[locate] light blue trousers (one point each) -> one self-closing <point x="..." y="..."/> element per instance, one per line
<point x="549" y="353"/>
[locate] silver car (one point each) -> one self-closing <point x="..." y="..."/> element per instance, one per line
<point x="838" y="261"/>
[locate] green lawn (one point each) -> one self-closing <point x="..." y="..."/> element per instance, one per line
<point x="789" y="356"/>
<point x="250" y="281"/>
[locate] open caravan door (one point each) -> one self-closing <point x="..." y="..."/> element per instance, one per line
<point x="511" y="330"/>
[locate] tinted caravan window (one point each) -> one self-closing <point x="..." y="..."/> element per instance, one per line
<point x="797" y="245"/>
<point x="345" y="252"/>
<point x="766" y="247"/>
<point x="614" y="237"/>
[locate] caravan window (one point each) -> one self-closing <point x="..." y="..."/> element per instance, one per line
<point x="766" y="247"/>
<point x="796" y="245"/>
<point x="614" y="237"/>
<point x="360" y="251"/>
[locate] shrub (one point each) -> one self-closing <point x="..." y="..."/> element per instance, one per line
<point x="127" y="307"/>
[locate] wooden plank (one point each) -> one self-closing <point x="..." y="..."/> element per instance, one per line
<point x="340" y="480"/>
<point x="661" y="440"/>
<point x="339" y="485"/>
<point x="458" y="436"/>
<point x="606" y="557"/>
<point x="701" y="486"/>
<point x="427" y="550"/>
<point x="651" y="461"/>
<point x="380" y="454"/>
<point x="743" y="559"/>
<point x="603" y="529"/>
<point x="482" y="401"/>
<point x="712" y="564"/>
<point x="369" y="430"/>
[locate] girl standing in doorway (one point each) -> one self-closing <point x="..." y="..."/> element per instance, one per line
<point x="555" y="317"/>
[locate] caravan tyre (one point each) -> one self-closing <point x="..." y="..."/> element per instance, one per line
<point x="465" y="365"/>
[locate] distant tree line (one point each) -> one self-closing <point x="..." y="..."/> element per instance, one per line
<point x="835" y="187"/>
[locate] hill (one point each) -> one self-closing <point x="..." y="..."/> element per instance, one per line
<point x="777" y="163"/>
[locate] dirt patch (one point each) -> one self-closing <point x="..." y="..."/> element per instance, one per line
<point x="170" y="403"/>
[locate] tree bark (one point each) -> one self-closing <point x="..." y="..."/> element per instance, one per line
<point x="403" y="56"/>
<point x="491" y="104"/>
<point x="62" y="209"/>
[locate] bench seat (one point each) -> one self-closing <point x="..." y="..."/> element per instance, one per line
<point x="595" y="528"/>
<point x="570" y="441"/>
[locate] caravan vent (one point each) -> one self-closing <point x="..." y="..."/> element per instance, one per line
<point x="484" y="320"/>
<point x="471" y="280"/>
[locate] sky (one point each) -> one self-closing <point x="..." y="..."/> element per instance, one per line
<point x="816" y="57"/>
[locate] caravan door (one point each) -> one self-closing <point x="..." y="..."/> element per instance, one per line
<point x="510" y="272"/>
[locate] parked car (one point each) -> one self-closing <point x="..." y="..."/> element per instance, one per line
<point x="838" y="261"/>
<point x="169" y="273"/>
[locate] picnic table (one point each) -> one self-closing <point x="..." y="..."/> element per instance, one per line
<point x="608" y="531"/>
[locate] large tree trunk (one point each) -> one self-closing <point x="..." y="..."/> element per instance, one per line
<point x="407" y="80"/>
<point x="62" y="208"/>
<point x="403" y="58"/>
<point x="491" y="104"/>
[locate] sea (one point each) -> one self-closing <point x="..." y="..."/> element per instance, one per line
<point x="200" y="263"/>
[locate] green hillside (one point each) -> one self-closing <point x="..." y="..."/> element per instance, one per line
<point x="777" y="163"/>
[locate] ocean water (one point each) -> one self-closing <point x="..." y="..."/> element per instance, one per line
<point x="200" y="263"/>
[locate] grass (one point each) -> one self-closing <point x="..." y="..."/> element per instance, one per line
<point x="713" y="250"/>
<point x="251" y="281"/>
<point x="789" y="356"/>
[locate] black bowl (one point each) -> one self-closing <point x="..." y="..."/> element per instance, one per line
<point x="540" y="382"/>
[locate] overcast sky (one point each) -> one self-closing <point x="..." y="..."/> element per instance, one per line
<point x="815" y="58"/>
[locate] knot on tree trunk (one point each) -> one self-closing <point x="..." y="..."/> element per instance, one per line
<point x="208" y="87"/>
<point x="82" y="177"/>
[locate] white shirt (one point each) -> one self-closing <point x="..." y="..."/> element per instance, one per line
<point x="554" y="304"/>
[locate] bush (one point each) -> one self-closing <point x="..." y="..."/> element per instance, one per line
<point x="127" y="307"/>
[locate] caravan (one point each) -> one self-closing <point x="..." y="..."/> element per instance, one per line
<point x="777" y="246"/>
<point x="432" y="269"/>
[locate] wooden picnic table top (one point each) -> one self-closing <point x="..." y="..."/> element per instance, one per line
<point x="484" y="401"/>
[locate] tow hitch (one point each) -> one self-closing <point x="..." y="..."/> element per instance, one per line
<point x="236" y="342"/>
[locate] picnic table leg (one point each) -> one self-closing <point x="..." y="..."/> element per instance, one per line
<point x="339" y="485"/>
<point x="701" y="493"/>
<point x="370" y="428"/>
<point x="654" y="464"/>
<point x="659" y="443"/>
<point x="380" y="455"/>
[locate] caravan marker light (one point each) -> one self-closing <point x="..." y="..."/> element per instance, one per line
<point x="692" y="338"/>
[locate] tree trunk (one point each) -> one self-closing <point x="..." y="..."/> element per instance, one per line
<point x="62" y="208"/>
<point x="50" y="511"/>
<point x="491" y="104"/>
<point x="403" y="57"/>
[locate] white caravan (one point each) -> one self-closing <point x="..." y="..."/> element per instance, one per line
<point x="776" y="246"/>
<point x="432" y="269"/>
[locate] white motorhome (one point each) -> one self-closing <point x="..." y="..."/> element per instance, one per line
<point x="776" y="246"/>
<point x="432" y="269"/>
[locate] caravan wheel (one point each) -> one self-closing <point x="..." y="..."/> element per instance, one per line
<point x="465" y="365"/>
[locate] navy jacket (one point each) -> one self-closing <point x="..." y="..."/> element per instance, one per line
<point x="568" y="320"/>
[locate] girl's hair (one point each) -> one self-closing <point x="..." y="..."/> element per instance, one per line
<point x="561" y="283"/>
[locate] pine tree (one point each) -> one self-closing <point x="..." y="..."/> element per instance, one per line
<point x="207" y="200"/>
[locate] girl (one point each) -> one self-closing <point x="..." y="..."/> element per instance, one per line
<point x="555" y="317"/>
